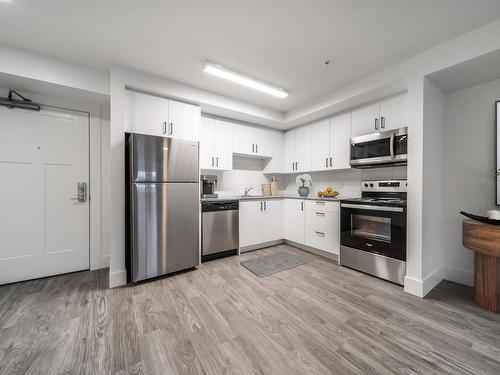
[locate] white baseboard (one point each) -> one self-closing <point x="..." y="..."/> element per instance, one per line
<point x="433" y="279"/>
<point x="117" y="278"/>
<point x="458" y="275"/>
<point x="414" y="286"/>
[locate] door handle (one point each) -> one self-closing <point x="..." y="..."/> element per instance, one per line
<point x="376" y="124"/>
<point x="261" y="205"/>
<point x="382" y="122"/>
<point x="217" y="161"/>
<point x="212" y="161"/>
<point x="171" y="131"/>
<point x="326" y="161"/>
<point x="265" y="206"/>
<point x="253" y="147"/>
<point x="322" y="234"/>
<point x="81" y="192"/>
<point x="302" y="206"/>
<point x="319" y="213"/>
<point x="165" y="127"/>
<point x="391" y="145"/>
<point x="373" y="208"/>
<point x="331" y="162"/>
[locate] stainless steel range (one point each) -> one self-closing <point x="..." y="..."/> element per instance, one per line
<point x="373" y="230"/>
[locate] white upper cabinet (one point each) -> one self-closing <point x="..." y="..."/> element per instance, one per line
<point x="330" y="146"/>
<point x="303" y="149"/>
<point x="248" y="140"/>
<point x="149" y="114"/>
<point x="340" y="145"/>
<point x="298" y="150"/>
<point x="223" y="145"/>
<point x="216" y="144"/>
<point x="393" y="112"/>
<point x="365" y="120"/>
<point x="207" y="143"/>
<point x="275" y="143"/>
<point x="184" y="120"/>
<point x="388" y="114"/>
<point x="320" y="153"/>
<point x="289" y="151"/>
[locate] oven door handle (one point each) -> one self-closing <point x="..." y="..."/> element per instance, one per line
<point x="392" y="146"/>
<point x="373" y="208"/>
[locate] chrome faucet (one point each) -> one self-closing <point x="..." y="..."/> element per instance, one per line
<point x="247" y="190"/>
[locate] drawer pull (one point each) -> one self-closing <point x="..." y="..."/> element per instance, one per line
<point x="319" y="213"/>
<point x="320" y="233"/>
<point x="320" y="203"/>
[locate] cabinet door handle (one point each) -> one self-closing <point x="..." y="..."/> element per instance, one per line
<point x="326" y="162"/>
<point x="256" y="148"/>
<point x="165" y="127"/>
<point x="320" y="233"/>
<point x="261" y="205"/>
<point x="171" y="131"/>
<point x="321" y="203"/>
<point x="331" y="162"/>
<point x="302" y="206"/>
<point x="296" y="165"/>
<point x="212" y="161"/>
<point x="382" y="122"/>
<point x="376" y="124"/>
<point x="253" y="148"/>
<point x="293" y="166"/>
<point x="217" y="161"/>
<point x="265" y="206"/>
<point x="319" y="213"/>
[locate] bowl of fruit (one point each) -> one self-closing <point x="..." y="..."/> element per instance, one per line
<point x="328" y="193"/>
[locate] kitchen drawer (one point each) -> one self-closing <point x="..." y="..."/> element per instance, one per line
<point x="320" y="205"/>
<point x="323" y="240"/>
<point x="322" y="220"/>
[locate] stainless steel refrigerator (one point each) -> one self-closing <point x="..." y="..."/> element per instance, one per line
<point x="162" y="206"/>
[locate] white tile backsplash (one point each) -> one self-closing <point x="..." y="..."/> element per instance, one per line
<point x="247" y="172"/>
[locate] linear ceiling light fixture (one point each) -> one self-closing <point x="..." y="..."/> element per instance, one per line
<point x="221" y="72"/>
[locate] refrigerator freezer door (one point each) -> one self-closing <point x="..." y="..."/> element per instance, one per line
<point x="161" y="159"/>
<point x="165" y="226"/>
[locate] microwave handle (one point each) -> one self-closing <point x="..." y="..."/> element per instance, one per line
<point x="392" y="146"/>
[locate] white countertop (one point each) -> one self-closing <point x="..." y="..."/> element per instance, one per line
<point x="261" y="197"/>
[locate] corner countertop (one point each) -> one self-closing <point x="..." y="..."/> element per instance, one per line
<point x="261" y="197"/>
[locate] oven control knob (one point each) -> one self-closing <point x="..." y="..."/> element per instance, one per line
<point x="371" y="185"/>
<point x="366" y="185"/>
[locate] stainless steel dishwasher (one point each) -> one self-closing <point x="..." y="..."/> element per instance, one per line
<point x="220" y="232"/>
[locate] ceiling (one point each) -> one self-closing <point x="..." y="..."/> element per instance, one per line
<point x="284" y="43"/>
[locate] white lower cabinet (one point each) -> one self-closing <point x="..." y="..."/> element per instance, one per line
<point x="293" y="220"/>
<point x="306" y="222"/>
<point x="322" y="226"/>
<point x="260" y="221"/>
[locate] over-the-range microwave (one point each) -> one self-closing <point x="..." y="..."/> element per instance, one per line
<point x="380" y="149"/>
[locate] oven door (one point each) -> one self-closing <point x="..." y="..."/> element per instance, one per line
<point x="375" y="229"/>
<point x="379" y="148"/>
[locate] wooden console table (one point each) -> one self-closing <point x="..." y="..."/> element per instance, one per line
<point x="484" y="240"/>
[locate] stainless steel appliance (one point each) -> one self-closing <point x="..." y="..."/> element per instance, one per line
<point x="380" y="149"/>
<point x="373" y="230"/>
<point x="220" y="234"/>
<point x="162" y="206"/>
<point x="208" y="186"/>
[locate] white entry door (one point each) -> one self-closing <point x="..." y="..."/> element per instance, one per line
<point x="43" y="230"/>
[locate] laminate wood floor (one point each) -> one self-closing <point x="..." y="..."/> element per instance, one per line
<point x="318" y="318"/>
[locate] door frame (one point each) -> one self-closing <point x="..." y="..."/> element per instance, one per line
<point x="99" y="126"/>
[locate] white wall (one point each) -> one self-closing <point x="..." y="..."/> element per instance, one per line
<point x="469" y="152"/>
<point x="433" y="186"/>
